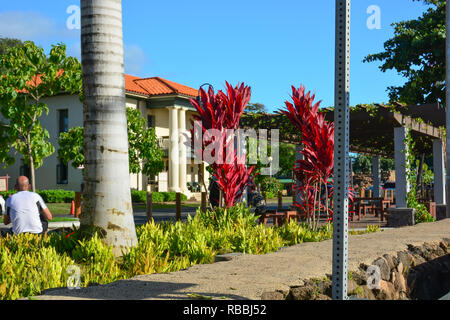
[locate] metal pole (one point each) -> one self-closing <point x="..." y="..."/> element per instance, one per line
<point x="341" y="150"/>
<point x="447" y="46"/>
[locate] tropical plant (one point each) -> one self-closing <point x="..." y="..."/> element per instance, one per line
<point x="30" y="75"/>
<point x="316" y="168"/>
<point x="218" y="113"/>
<point x="107" y="206"/>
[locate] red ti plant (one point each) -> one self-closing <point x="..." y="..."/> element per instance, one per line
<point x="316" y="168"/>
<point x="220" y="112"/>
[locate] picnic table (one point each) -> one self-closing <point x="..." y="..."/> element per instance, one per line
<point x="376" y="206"/>
<point x="279" y="216"/>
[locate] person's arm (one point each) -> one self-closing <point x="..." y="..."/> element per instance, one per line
<point x="44" y="210"/>
<point x="47" y="214"/>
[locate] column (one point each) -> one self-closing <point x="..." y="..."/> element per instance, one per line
<point x="376" y="177"/>
<point x="183" y="150"/>
<point x="401" y="182"/>
<point x="439" y="172"/>
<point x="173" y="150"/>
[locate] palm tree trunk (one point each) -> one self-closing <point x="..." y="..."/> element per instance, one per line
<point x="107" y="206"/>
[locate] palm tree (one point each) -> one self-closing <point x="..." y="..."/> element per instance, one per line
<point x="107" y="206"/>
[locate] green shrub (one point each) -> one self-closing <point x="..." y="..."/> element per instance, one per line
<point x="157" y="197"/>
<point x="30" y="263"/>
<point x="271" y="186"/>
<point x="49" y="196"/>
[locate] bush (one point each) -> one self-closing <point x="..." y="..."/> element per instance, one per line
<point x="30" y="264"/>
<point x="157" y="197"/>
<point x="271" y="186"/>
<point x="49" y="196"/>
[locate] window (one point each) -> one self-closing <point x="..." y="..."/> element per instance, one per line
<point x="62" y="173"/>
<point x="63" y="120"/>
<point x="151" y="121"/>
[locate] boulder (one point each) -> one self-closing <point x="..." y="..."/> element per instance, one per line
<point x="307" y="292"/>
<point x="275" y="295"/>
<point x="384" y="268"/>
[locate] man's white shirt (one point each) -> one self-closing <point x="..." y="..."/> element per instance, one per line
<point x="24" y="212"/>
<point x="2" y="205"/>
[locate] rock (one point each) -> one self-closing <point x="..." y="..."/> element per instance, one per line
<point x="443" y="245"/>
<point x="430" y="251"/>
<point x="303" y="293"/>
<point x="322" y="297"/>
<point x="359" y="278"/>
<point x="390" y="261"/>
<point x="399" y="281"/>
<point x="368" y="293"/>
<point x="406" y="259"/>
<point x="351" y="286"/>
<point x="417" y="260"/>
<point x="325" y="287"/>
<point x="272" y="296"/>
<point x="386" y="291"/>
<point x="384" y="268"/>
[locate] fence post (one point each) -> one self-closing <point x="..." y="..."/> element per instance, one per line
<point x="203" y="203"/>
<point x="178" y="206"/>
<point x="149" y="206"/>
<point x="280" y="200"/>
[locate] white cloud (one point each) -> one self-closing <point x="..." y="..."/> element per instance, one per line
<point x="135" y="59"/>
<point x="32" y="26"/>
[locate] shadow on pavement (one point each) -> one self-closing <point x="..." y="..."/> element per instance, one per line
<point x="135" y="290"/>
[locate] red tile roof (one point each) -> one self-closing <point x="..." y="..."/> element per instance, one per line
<point x="148" y="86"/>
<point x="157" y="86"/>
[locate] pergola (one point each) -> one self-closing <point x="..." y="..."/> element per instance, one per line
<point x="379" y="131"/>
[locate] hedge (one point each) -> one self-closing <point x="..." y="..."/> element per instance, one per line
<point x="64" y="196"/>
<point x="157" y="197"/>
<point x="49" y="196"/>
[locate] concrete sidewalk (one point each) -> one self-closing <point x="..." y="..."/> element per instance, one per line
<point x="248" y="277"/>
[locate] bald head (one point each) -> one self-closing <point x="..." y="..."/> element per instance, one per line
<point x="22" y="184"/>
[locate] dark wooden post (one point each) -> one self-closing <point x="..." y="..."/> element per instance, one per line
<point x="203" y="203"/>
<point x="77" y="204"/>
<point x="178" y="206"/>
<point x="280" y="200"/>
<point x="149" y="206"/>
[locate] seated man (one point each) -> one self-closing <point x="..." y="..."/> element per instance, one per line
<point x="24" y="208"/>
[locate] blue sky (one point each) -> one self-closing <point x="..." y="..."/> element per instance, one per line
<point x="270" y="45"/>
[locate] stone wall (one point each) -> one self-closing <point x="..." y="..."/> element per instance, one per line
<point x="416" y="273"/>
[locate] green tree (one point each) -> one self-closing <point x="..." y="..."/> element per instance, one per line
<point x="7" y="43"/>
<point x="255" y="108"/>
<point x="287" y="160"/>
<point x="30" y="76"/>
<point x="363" y="164"/>
<point x="417" y="52"/>
<point x="144" y="153"/>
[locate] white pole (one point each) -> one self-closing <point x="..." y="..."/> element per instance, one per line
<point x="341" y="150"/>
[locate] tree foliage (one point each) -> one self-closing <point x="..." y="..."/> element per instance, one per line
<point x="30" y="76"/>
<point x="417" y="52"/>
<point x="255" y="108"/>
<point x="143" y="146"/>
